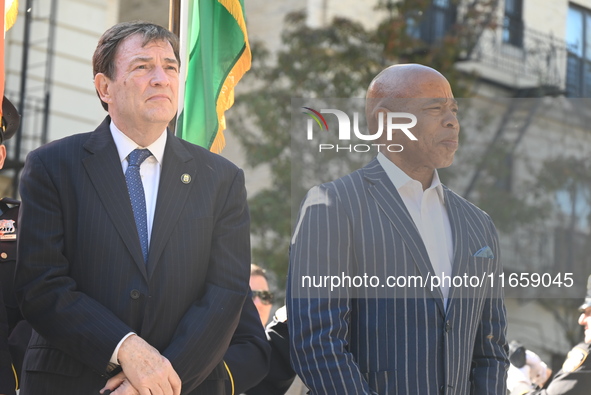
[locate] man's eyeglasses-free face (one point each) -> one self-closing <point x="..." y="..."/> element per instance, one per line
<point x="265" y="296"/>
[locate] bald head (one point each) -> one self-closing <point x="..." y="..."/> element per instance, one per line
<point x="425" y="94"/>
<point x="401" y="81"/>
<point x="392" y="86"/>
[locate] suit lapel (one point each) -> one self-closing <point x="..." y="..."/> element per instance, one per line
<point x="104" y="170"/>
<point x="172" y="196"/>
<point x="389" y="200"/>
<point x="459" y="230"/>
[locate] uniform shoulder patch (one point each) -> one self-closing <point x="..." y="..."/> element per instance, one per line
<point x="7" y="229"/>
<point x="575" y="359"/>
<point x="281" y="314"/>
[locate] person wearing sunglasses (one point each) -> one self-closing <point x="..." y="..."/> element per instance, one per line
<point x="261" y="295"/>
<point x="247" y="357"/>
<point x="243" y="357"/>
<point x="281" y="375"/>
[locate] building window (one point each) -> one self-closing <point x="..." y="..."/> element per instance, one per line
<point x="432" y="24"/>
<point x="513" y="23"/>
<point x="571" y="238"/>
<point x="578" y="42"/>
<point x="574" y="206"/>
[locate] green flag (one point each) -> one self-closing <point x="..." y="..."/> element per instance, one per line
<point x="215" y="54"/>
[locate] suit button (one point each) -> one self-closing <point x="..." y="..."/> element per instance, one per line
<point x="447" y="326"/>
<point x="135" y="294"/>
<point x="442" y="389"/>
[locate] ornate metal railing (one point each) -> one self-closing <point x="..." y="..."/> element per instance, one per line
<point x="524" y="55"/>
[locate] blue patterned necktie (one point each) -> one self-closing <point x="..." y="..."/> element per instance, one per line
<point x="137" y="196"/>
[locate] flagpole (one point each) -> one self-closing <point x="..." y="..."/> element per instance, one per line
<point x="2" y="30"/>
<point x="174" y="17"/>
<point x="174" y="25"/>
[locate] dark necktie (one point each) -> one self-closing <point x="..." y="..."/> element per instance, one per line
<point x="137" y="196"/>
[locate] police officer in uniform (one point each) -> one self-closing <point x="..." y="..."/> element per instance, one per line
<point x="14" y="331"/>
<point x="575" y="376"/>
<point x="281" y="375"/>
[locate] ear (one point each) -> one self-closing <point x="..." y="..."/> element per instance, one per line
<point x="380" y="112"/>
<point x="101" y="84"/>
<point x="2" y="155"/>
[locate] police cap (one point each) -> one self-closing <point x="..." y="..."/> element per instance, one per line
<point x="10" y="120"/>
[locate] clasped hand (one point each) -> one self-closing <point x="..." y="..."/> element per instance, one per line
<point x="145" y="371"/>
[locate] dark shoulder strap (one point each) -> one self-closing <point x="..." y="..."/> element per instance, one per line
<point x="7" y="204"/>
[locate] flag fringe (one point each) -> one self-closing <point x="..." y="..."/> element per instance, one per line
<point x="235" y="9"/>
<point x="226" y="97"/>
<point x="11" y="14"/>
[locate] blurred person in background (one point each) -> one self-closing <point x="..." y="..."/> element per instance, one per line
<point x="14" y="330"/>
<point x="533" y="377"/>
<point x="247" y="358"/>
<point x="261" y="294"/>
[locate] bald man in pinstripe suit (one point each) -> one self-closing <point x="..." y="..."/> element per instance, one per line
<point x="393" y="219"/>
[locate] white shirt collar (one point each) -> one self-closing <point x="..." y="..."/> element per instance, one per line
<point x="125" y="145"/>
<point x="400" y="179"/>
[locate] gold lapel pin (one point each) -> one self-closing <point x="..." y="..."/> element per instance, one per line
<point x="186" y="178"/>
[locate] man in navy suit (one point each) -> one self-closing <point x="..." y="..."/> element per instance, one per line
<point x="133" y="295"/>
<point x="393" y="222"/>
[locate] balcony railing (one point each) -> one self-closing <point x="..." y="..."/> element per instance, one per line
<point x="540" y="60"/>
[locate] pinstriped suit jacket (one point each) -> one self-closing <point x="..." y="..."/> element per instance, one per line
<point x="81" y="279"/>
<point x="381" y="340"/>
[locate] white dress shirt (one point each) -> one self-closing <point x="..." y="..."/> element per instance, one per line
<point x="427" y="209"/>
<point x="150" y="170"/>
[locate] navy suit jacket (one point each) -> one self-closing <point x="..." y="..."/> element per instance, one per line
<point x="81" y="279"/>
<point x="361" y="339"/>
<point x="281" y="375"/>
<point x="249" y="353"/>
